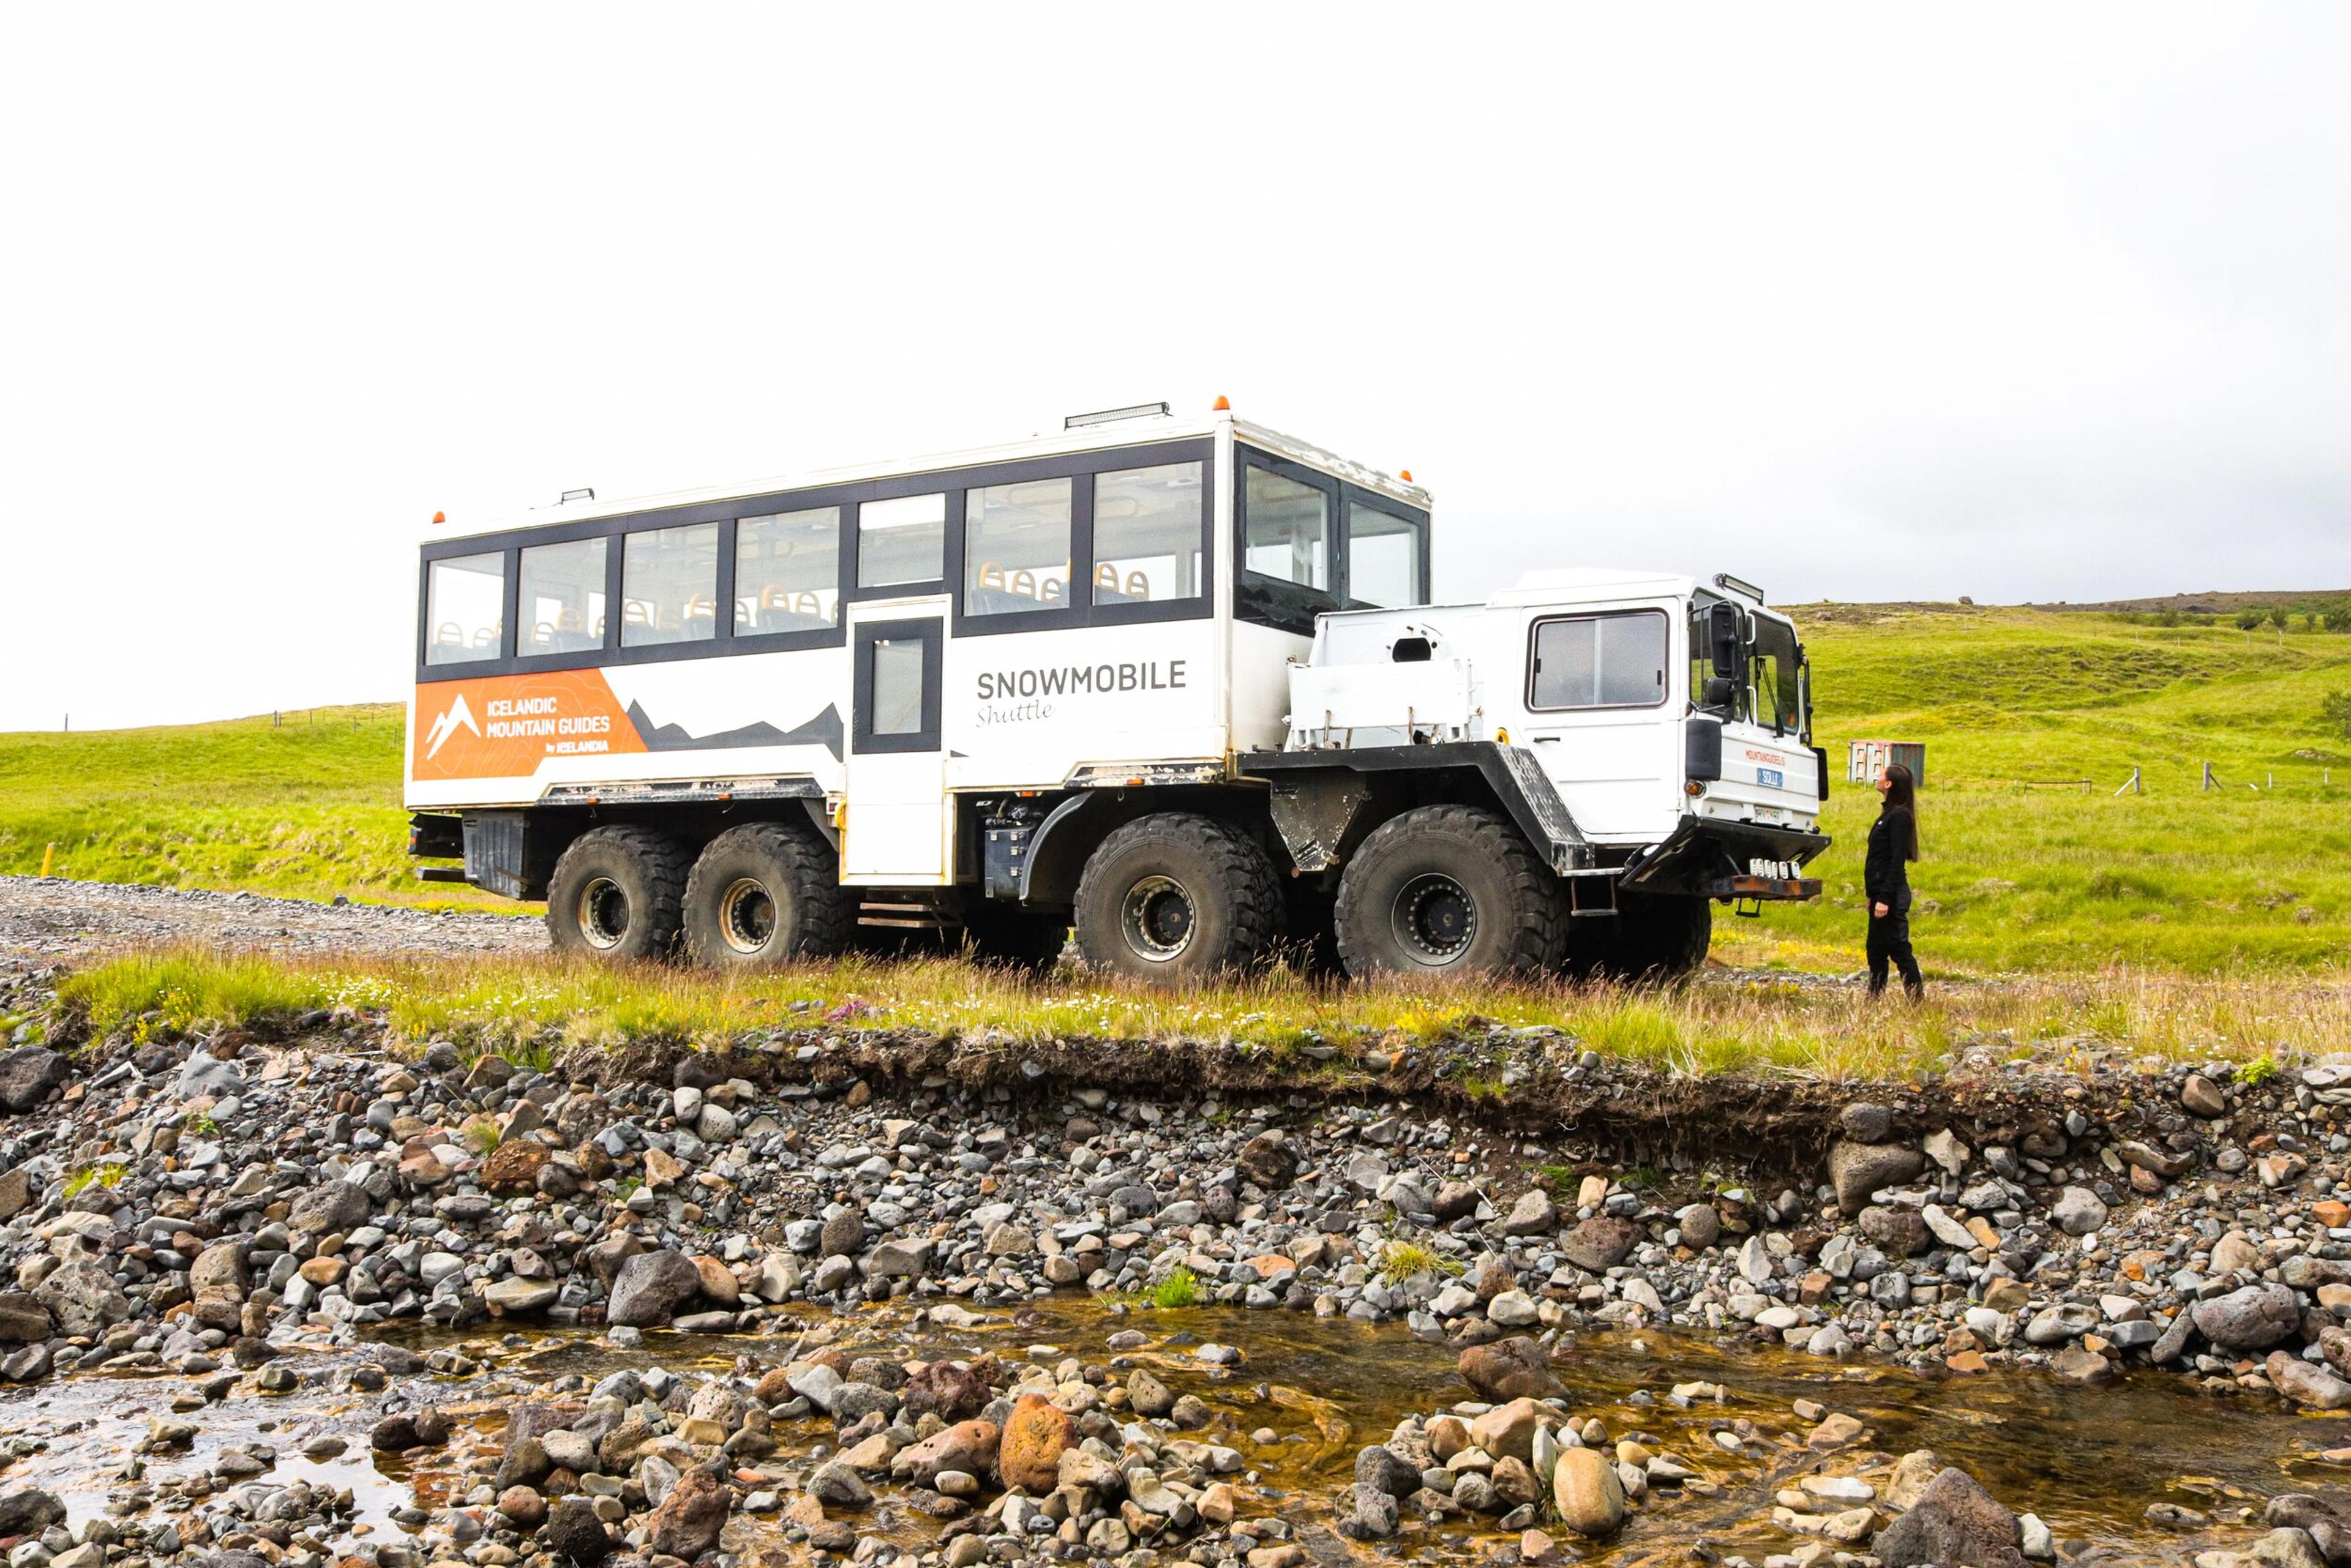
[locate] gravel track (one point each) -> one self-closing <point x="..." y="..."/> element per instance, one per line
<point x="49" y="920"/>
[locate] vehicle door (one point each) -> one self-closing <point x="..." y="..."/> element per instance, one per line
<point x="1597" y="690"/>
<point x="898" y="827"/>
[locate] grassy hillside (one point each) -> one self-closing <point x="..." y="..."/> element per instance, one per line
<point x="309" y="807"/>
<point x="2023" y="871"/>
<point x="2026" y="870"/>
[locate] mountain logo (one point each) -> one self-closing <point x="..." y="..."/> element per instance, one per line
<point x="447" y="725"/>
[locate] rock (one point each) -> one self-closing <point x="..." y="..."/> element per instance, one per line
<point x="23" y="1321"/>
<point x="524" y="1506"/>
<point x="1533" y="1214"/>
<point x="1508" y="1430"/>
<point x="30" y="1511"/>
<point x="1513" y="1310"/>
<point x="970" y="1447"/>
<point x="1953" y="1520"/>
<point x="844" y="1234"/>
<point x="511" y="1297"/>
<point x="572" y="1531"/>
<point x="650" y="1287"/>
<point x="512" y="1169"/>
<point x="688" y="1520"/>
<point x="328" y="1207"/>
<point x="1514" y="1368"/>
<point x="2076" y="1364"/>
<point x="2314" y="1387"/>
<point x="2253" y="1318"/>
<point x="1370" y="1514"/>
<point x="2199" y="1096"/>
<point x="1601" y="1242"/>
<point x="1034" y="1436"/>
<point x="1865" y="1123"/>
<point x="1944" y="1148"/>
<point x="951" y="1390"/>
<point x="1701" y="1228"/>
<point x="29" y="1074"/>
<point x="720" y="1285"/>
<point x="1588" y="1493"/>
<point x="1897" y="1232"/>
<point x="1268" y="1160"/>
<point x="83" y="1298"/>
<point x="2078" y="1211"/>
<point x="2285" y="1549"/>
<point x="1148" y="1396"/>
<point x="1391" y="1472"/>
<point x="1857" y="1170"/>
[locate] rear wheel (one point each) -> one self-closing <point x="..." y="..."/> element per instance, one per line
<point x="1447" y="890"/>
<point x="1177" y="897"/>
<point x="616" y="893"/>
<point x="1020" y="938"/>
<point x="1658" y="935"/>
<point x="764" y="893"/>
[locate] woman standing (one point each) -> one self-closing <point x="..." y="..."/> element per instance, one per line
<point x="1886" y="880"/>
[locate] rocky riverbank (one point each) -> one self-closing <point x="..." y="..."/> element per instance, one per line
<point x="214" y="1206"/>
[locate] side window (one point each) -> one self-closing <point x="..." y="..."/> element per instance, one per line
<point x="465" y="609"/>
<point x="902" y="540"/>
<point x="788" y="572"/>
<point x="1384" y="566"/>
<point x="669" y="586"/>
<point x="1287" y="532"/>
<point x="896" y="674"/>
<point x="562" y="598"/>
<point x="1147" y="535"/>
<point x="1599" y="661"/>
<point x="1016" y="548"/>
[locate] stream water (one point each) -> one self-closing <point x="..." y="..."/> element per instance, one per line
<point x="2089" y="1461"/>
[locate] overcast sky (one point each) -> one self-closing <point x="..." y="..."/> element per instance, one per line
<point x="2024" y="303"/>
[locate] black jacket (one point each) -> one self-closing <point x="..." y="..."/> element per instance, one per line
<point x="1884" y="872"/>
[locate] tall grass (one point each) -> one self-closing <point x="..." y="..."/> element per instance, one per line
<point x="537" y="1006"/>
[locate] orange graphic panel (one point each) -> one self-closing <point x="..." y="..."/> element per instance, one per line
<point x="503" y="726"/>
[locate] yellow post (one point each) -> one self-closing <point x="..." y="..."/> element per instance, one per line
<point x="45" y="853"/>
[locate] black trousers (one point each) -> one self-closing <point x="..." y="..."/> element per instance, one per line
<point x="1890" y="944"/>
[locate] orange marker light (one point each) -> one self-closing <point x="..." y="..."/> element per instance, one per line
<point x="439" y="518"/>
<point x="1404" y="475"/>
<point x="1221" y="406"/>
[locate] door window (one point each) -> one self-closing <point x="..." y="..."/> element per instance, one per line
<point x="1598" y="660"/>
<point x="897" y="686"/>
<point x="1382" y="558"/>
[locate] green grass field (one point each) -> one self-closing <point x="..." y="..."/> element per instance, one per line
<point x="2025" y="870"/>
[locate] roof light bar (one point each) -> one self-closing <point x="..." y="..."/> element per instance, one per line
<point x="1113" y="415"/>
<point x="571" y="496"/>
<point x="1737" y="585"/>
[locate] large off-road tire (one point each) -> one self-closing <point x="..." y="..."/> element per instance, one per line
<point x="616" y="893"/>
<point x="1447" y="890"/>
<point x="1176" y="897"/>
<point x="1309" y="945"/>
<point x="1658" y="935"/>
<point x="765" y="893"/>
<point x="1000" y="932"/>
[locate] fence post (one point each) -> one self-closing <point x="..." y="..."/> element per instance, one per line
<point x="2130" y="785"/>
<point x="2208" y="776"/>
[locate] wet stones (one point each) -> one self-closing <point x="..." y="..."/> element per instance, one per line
<point x="956" y="1391"/>
<point x="1514" y="1368"/>
<point x="1588" y="1493"/>
<point x="1953" y="1520"/>
<point x="2314" y="1387"/>
<point x="688" y="1522"/>
<point x="1857" y="1170"/>
<point x="28" y="1511"/>
<point x="1034" y="1438"/>
<point x="650" y="1287"/>
<point x="2253" y="1318"/>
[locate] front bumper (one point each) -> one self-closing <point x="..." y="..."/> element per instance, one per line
<point x="1715" y="859"/>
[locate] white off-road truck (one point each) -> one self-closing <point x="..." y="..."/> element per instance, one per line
<point x="1174" y="682"/>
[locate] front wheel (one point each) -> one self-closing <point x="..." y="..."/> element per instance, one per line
<point x="764" y="893"/>
<point x="1447" y="890"/>
<point x="616" y="893"/>
<point x="1176" y="897"/>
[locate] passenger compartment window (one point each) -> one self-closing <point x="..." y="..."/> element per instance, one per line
<point x="902" y="540"/>
<point x="465" y="609"/>
<point x="1599" y="661"/>
<point x="1289" y="530"/>
<point x="562" y="598"/>
<point x="788" y="572"/>
<point x="1382" y="558"/>
<point x="1147" y="533"/>
<point x="669" y="586"/>
<point x="1016" y="548"/>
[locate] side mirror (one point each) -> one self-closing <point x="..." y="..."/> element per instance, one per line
<point x="1722" y="630"/>
<point x="1718" y="693"/>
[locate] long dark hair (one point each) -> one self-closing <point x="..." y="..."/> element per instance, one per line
<point x="1901" y="795"/>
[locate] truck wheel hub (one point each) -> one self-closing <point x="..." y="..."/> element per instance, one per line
<point x="603" y="914"/>
<point x="1435" y="917"/>
<point x="1158" y="918"/>
<point x="746" y="915"/>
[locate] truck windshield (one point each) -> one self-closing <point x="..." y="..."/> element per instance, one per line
<point x="1779" y="694"/>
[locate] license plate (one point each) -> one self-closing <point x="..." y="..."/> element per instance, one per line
<point x="1769" y="778"/>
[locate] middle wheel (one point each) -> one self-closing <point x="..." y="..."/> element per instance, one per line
<point x="1447" y="890"/>
<point x="764" y="893"/>
<point x="1176" y="897"/>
